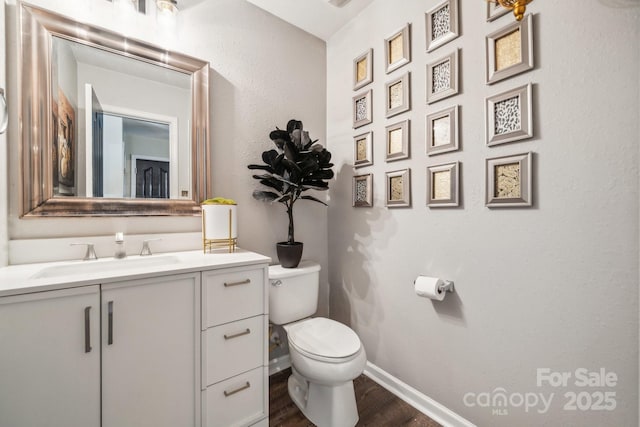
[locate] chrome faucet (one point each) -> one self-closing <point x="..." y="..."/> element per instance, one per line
<point x="91" y="252"/>
<point x="146" y="249"/>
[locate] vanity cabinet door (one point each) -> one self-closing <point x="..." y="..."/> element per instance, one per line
<point x="150" y="345"/>
<point x="50" y="359"/>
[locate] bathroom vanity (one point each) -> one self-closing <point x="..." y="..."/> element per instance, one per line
<point x="166" y="340"/>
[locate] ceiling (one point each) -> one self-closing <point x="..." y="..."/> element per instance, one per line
<point x="319" y="17"/>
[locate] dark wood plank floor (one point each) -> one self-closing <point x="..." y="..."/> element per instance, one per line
<point x="377" y="407"/>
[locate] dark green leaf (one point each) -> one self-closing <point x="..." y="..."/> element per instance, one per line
<point x="314" y="199"/>
<point x="264" y="196"/>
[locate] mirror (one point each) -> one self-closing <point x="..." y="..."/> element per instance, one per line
<point x="110" y="125"/>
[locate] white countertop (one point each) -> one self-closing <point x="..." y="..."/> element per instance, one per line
<point x="24" y="278"/>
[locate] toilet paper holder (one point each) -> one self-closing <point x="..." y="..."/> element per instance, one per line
<point x="447" y="286"/>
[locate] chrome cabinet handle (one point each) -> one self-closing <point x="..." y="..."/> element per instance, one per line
<point x="110" y="323"/>
<point x="87" y="330"/>
<point x="239" y="334"/>
<point x="5" y="113"/>
<point x="244" y="282"/>
<point x="244" y="387"/>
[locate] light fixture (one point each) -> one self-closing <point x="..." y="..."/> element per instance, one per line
<point x="167" y="7"/>
<point x="519" y="7"/>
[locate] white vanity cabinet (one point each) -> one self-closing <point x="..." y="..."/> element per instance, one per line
<point x="150" y="352"/>
<point x="50" y="358"/>
<point x="234" y="347"/>
<point x="176" y="345"/>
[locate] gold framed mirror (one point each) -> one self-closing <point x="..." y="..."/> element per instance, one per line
<point x="57" y="178"/>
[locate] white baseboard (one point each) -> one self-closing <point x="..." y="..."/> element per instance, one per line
<point x="279" y="364"/>
<point x="413" y="397"/>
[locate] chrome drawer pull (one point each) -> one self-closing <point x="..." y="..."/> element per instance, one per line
<point x="244" y="282"/>
<point x="244" y="387"/>
<point x="239" y="334"/>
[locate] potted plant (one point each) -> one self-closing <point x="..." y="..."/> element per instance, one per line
<point x="296" y="166"/>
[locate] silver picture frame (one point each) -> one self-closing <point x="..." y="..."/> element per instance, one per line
<point x="363" y="70"/>
<point x="363" y="150"/>
<point x="361" y="109"/>
<point x="494" y="10"/>
<point x="398" y="189"/>
<point x="443" y="185"/>
<point x="508" y="181"/>
<point x="442" y="132"/>
<point x="397" y="49"/>
<point x="509" y="50"/>
<point x="397" y="136"/>
<point x="441" y="23"/>
<point x="363" y="191"/>
<point x="398" y="95"/>
<point x="442" y="77"/>
<point x="509" y="116"/>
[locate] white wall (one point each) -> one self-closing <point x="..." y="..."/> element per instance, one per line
<point x="263" y="73"/>
<point x="552" y="286"/>
<point x="4" y="235"/>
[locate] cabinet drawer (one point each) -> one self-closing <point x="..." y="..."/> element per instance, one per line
<point x="238" y="401"/>
<point x="233" y="348"/>
<point x="231" y="295"/>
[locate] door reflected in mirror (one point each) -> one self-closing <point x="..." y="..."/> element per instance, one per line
<point x="121" y="126"/>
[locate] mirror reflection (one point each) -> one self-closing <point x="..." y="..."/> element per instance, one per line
<point x="120" y="126"/>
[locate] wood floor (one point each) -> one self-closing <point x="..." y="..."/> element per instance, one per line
<point x="377" y="407"/>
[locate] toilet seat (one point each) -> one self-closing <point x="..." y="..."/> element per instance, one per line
<point x="324" y="339"/>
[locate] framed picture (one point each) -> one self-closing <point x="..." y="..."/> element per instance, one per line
<point x="397" y="48"/>
<point x="494" y="10"/>
<point x="442" y="131"/>
<point x="509" y="116"/>
<point x="397" y="141"/>
<point x="398" y="95"/>
<point x="362" y="109"/>
<point x="363" y="70"/>
<point x="442" y="78"/>
<point x="510" y="50"/>
<point x="441" y="24"/>
<point x="443" y="185"/>
<point x="509" y="181"/>
<point x="66" y="145"/>
<point x="363" y="150"/>
<point x="398" y="189"/>
<point x="363" y="191"/>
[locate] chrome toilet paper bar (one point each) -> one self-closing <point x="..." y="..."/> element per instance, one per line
<point x="447" y="286"/>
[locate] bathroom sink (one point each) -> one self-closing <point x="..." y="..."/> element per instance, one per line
<point x="89" y="267"/>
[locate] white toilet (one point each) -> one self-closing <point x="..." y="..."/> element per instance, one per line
<point x="325" y="355"/>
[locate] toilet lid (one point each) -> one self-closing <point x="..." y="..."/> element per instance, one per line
<point x="324" y="337"/>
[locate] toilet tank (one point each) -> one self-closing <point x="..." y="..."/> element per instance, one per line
<point x="293" y="292"/>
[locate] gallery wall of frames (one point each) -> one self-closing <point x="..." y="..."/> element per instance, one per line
<point x="508" y="111"/>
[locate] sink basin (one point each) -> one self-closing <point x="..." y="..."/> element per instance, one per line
<point x="97" y="266"/>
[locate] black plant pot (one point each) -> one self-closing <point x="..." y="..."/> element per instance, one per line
<point x="289" y="254"/>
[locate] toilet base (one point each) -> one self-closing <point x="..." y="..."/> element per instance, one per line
<point x="325" y="406"/>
